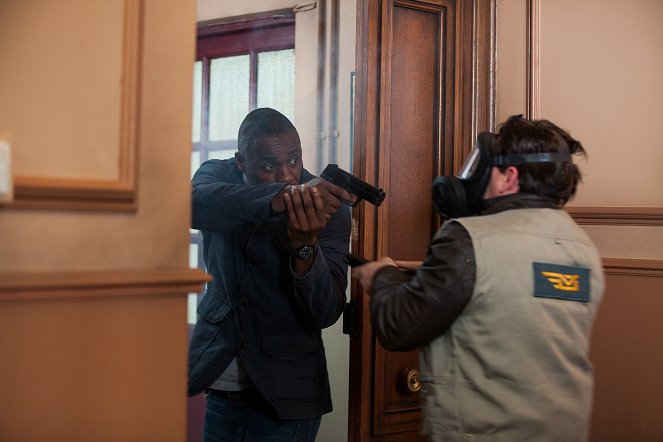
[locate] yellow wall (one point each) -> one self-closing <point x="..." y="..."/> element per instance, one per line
<point x="599" y="74"/>
<point x="92" y="296"/>
<point x="156" y="234"/>
<point x="600" y="65"/>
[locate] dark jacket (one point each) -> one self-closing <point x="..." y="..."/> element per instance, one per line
<point x="256" y="307"/>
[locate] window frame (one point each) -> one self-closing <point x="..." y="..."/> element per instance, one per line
<point x="248" y="36"/>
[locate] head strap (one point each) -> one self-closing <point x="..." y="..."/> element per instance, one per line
<point x="543" y="157"/>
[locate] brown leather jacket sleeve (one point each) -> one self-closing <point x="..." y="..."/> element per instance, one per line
<point x="409" y="310"/>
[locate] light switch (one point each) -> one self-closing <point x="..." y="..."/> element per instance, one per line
<point x="6" y="181"/>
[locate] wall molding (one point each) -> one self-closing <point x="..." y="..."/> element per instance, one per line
<point x="484" y="44"/>
<point x="599" y="215"/>
<point x="85" y="285"/>
<point x="533" y="59"/>
<point x="622" y="216"/>
<point x="633" y="267"/>
<point x="111" y="195"/>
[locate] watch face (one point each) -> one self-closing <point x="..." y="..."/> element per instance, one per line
<point x="305" y="251"/>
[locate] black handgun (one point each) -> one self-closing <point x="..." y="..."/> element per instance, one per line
<point x="360" y="189"/>
<point x="354" y="260"/>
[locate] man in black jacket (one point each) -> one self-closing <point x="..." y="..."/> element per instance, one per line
<point x="274" y="239"/>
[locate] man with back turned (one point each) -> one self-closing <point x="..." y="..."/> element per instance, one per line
<point x="503" y="304"/>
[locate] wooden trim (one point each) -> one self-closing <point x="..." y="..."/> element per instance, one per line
<point x="107" y="195"/>
<point x="533" y="59"/>
<point x="320" y="85"/>
<point x="617" y="216"/>
<point x="633" y="267"/>
<point x="475" y="108"/>
<point x="239" y="23"/>
<point x="334" y="51"/>
<point x="366" y="133"/>
<point x="467" y="81"/>
<point x="131" y="61"/>
<point x="245" y="37"/>
<point x="79" y="285"/>
<point x="59" y="193"/>
<point x="483" y="66"/>
<point x="492" y="56"/>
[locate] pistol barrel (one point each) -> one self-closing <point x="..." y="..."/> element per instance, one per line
<point x="355" y="186"/>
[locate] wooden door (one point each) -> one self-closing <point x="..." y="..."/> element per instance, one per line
<point x="424" y="88"/>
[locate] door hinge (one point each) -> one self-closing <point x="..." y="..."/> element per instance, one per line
<point x="351" y="319"/>
<point x="354" y="234"/>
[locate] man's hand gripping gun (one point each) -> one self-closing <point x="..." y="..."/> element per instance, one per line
<point x="361" y="189"/>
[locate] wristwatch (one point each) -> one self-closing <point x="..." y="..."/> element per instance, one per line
<point x="305" y="252"/>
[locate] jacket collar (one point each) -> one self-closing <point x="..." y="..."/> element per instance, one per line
<point x="518" y="201"/>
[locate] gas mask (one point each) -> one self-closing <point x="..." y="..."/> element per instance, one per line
<point x="462" y="195"/>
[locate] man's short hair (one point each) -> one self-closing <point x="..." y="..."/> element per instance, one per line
<point x="559" y="180"/>
<point x="262" y="123"/>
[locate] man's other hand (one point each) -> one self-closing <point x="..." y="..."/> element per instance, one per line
<point x="307" y="214"/>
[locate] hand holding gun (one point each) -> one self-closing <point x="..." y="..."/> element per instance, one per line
<point x="354" y="260"/>
<point x="355" y="186"/>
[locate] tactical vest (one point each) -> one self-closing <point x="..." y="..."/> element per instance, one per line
<point x="514" y="365"/>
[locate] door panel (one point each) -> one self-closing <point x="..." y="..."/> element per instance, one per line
<point x="415" y="81"/>
<point x="410" y="103"/>
<point x="410" y="140"/>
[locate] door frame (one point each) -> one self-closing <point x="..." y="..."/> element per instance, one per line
<point x="474" y="104"/>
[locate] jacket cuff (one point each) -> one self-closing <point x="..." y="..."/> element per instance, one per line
<point x="389" y="276"/>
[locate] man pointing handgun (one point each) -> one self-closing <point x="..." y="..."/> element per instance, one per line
<point x="274" y="241"/>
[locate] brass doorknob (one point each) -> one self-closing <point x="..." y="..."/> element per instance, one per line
<point x="409" y="380"/>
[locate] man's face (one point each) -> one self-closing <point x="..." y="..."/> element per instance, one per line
<point x="275" y="159"/>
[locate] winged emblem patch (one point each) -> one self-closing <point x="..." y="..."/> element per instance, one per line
<point x="561" y="281"/>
